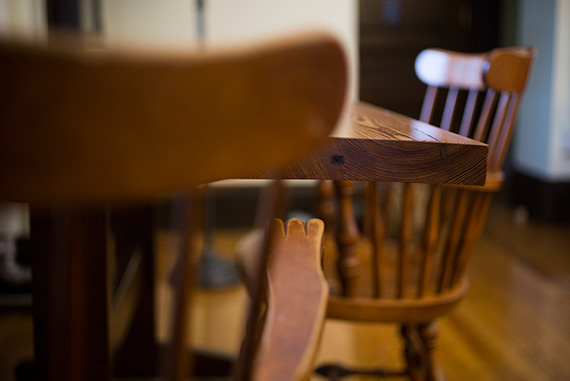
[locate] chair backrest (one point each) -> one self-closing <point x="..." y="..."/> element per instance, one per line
<point x="484" y="92"/>
<point x="77" y="126"/>
<point x="422" y="235"/>
<point x="497" y="79"/>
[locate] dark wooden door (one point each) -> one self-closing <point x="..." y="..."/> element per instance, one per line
<point x="393" y="32"/>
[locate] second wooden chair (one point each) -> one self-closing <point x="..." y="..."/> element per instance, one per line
<point x="422" y="235"/>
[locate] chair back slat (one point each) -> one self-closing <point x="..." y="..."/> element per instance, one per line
<point x="174" y="362"/>
<point x="431" y="234"/>
<point x="473" y="228"/>
<point x="453" y="240"/>
<point x="498" y="123"/>
<point x="469" y="113"/>
<point x="428" y="104"/>
<point x="485" y="117"/>
<point x="450" y="108"/>
<point x="499" y="148"/>
<point x="270" y="204"/>
<point x="405" y="241"/>
<point x="378" y="234"/>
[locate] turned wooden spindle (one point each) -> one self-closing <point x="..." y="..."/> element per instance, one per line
<point x="413" y="352"/>
<point x="428" y="334"/>
<point x="326" y="204"/>
<point x="347" y="237"/>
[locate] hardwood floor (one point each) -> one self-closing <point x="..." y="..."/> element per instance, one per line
<point x="513" y="325"/>
<point x="515" y="321"/>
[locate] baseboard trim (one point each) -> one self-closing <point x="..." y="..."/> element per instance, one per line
<point x="546" y="201"/>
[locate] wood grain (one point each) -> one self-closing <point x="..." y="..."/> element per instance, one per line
<point x="512" y="324"/>
<point x="382" y="145"/>
<point x="297" y="299"/>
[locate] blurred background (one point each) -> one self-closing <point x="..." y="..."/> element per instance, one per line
<point x="527" y="238"/>
<point x="382" y="39"/>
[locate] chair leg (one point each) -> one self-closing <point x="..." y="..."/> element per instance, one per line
<point x="348" y="236"/>
<point x="413" y="352"/>
<point x="70" y="295"/>
<point x="428" y="333"/>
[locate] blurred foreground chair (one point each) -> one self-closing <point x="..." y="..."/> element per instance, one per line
<point x="88" y="137"/>
<point x="422" y="235"/>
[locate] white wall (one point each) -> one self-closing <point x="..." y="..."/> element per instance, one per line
<point x="23" y="19"/>
<point x="243" y="20"/>
<point x="560" y="107"/>
<point x="544" y="119"/>
<point x="173" y="22"/>
<point x="165" y="23"/>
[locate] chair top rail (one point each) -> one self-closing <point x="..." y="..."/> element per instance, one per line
<point x="80" y="126"/>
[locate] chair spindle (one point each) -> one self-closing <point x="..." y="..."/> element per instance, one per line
<point x="499" y="150"/>
<point x="485" y="118"/>
<point x="469" y="113"/>
<point x="405" y="241"/>
<point x="450" y="107"/>
<point x="453" y="239"/>
<point x="429" y="103"/>
<point x="431" y="234"/>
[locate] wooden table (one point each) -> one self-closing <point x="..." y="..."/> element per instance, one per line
<point x="381" y="145"/>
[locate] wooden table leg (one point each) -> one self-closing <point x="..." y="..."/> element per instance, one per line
<point x="70" y="295"/>
<point x="348" y="263"/>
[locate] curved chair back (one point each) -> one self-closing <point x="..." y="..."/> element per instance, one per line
<point x="79" y="125"/>
<point x="492" y="85"/>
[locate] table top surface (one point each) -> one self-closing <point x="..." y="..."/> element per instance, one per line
<point x="381" y="145"/>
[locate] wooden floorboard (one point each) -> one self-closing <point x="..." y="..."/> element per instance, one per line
<point x="513" y="325"/>
<point x="515" y="321"/>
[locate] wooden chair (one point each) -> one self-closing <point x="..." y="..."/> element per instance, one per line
<point x="421" y="236"/>
<point x="87" y="138"/>
<point x="296" y="302"/>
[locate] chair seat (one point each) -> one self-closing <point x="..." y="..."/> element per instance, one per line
<point x="388" y="309"/>
<point x="407" y="311"/>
